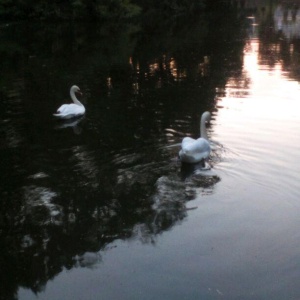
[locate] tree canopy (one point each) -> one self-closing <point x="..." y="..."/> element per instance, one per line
<point x="95" y="9"/>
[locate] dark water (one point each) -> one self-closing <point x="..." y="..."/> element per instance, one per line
<point x="100" y="208"/>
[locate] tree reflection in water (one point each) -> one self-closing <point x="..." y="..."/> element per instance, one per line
<point x="66" y="196"/>
<point x="135" y="195"/>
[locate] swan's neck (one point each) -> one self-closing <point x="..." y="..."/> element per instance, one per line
<point x="203" y="132"/>
<point x="75" y="100"/>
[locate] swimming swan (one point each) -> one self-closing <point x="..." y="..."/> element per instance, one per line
<point x="68" y="111"/>
<point x="193" y="151"/>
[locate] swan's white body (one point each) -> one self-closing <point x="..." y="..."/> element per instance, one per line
<point x="193" y="151"/>
<point x="68" y="111"/>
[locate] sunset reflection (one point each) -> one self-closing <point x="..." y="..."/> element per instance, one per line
<point x="260" y="110"/>
<point x="256" y="81"/>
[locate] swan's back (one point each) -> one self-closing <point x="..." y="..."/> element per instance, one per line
<point x="193" y="151"/>
<point x="67" y="111"/>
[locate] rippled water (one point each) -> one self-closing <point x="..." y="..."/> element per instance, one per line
<point x="261" y="127"/>
<point x="102" y="209"/>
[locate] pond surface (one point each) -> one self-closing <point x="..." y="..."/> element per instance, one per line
<point x="101" y="208"/>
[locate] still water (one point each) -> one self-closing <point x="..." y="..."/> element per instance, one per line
<point x="100" y="208"/>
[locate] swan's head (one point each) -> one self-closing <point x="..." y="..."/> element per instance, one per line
<point x="75" y="89"/>
<point x="206" y="116"/>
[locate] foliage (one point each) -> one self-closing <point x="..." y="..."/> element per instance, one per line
<point x="171" y="7"/>
<point x="95" y="9"/>
<point x="69" y="9"/>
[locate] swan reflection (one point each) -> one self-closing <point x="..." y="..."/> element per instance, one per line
<point x="70" y="123"/>
<point x="87" y="259"/>
<point x="39" y="207"/>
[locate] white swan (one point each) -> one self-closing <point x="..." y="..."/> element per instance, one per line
<point x="68" y="111"/>
<point x="194" y="151"/>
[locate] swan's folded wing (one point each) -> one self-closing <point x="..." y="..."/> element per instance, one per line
<point x="194" y="151"/>
<point x="195" y="146"/>
<point x="68" y="111"/>
<point x="187" y="141"/>
<point x="67" y="108"/>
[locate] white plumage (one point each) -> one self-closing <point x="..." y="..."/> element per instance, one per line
<point x="193" y="151"/>
<point x="68" y="111"/>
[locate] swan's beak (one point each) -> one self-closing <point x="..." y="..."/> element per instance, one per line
<point x="79" y="92"/>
